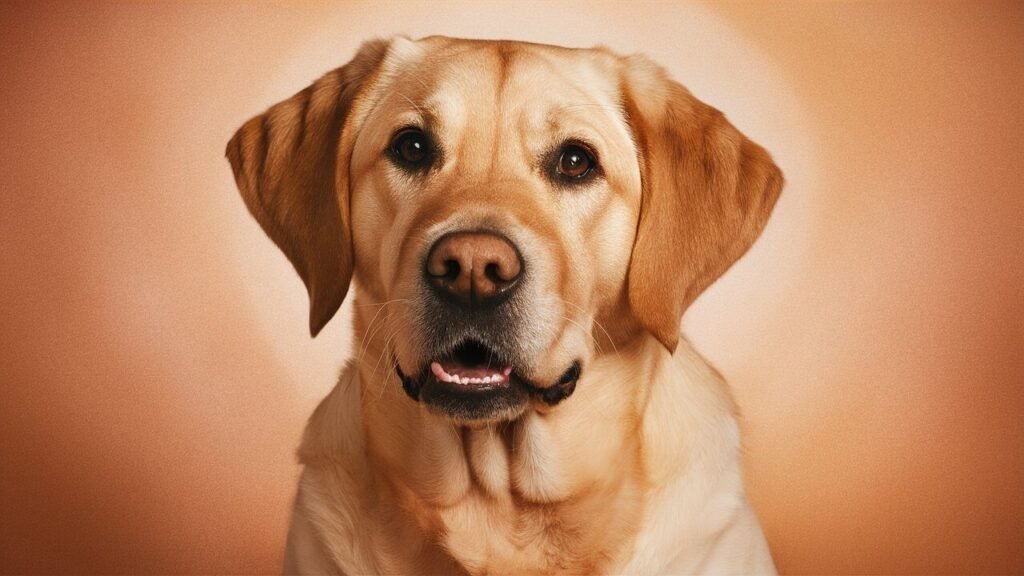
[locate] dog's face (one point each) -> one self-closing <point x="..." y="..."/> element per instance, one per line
<point x="495" y="201"/>
<point x="502" y="204"/>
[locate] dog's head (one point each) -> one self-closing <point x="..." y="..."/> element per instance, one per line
<point x="514" y="209"/>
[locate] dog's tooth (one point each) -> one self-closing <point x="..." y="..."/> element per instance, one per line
<point x="487" y="380"/>
<point x="507" y="370"/>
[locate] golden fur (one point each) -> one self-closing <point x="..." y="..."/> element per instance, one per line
<point x="638" y="470"/>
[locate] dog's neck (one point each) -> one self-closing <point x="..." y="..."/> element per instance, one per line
<point x="559" y="490"/>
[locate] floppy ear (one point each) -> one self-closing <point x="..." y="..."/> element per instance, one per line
<point x="295" y="183"/>
<point x="707" y="193"/>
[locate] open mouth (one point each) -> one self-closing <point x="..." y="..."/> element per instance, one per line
<point x="473" y="383"/>
<point x="473" y="365"/>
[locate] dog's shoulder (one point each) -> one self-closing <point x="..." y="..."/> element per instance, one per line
<point x="334" y="433"/>
<point x="328" y="507"/>
<point x="692" y="455"/>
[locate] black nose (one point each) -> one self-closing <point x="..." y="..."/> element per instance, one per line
<point x="474" y="268"/>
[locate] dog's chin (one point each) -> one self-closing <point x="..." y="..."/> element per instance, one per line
<point x="473" y="405"/>
<point x="470" y="385"/>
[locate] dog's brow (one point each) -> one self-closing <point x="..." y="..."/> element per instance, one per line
<point x="554" y="116"/>
<point x="588" y="105"/>
<point x="409" y="100"/>
<point x="428" y="112"/>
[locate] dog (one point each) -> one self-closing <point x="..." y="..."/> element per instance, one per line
<point x="525" y="225"/>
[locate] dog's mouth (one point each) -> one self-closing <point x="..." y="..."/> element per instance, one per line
<point x="472" y="365"/>
<point x="473" y="383"/>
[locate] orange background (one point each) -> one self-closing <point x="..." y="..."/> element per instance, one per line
<point x="154" y="363"/>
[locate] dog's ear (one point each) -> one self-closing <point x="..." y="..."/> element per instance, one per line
<point x="294" y="180"/>
<point x="707" y="193"/>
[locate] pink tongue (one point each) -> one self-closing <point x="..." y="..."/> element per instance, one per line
<point x="453" y="371"/>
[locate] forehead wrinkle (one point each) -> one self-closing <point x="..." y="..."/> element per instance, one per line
<point x="458" y="87"/>
<point x="505" y="55"/>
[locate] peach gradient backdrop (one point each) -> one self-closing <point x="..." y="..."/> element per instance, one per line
<point x="154" y="363"/>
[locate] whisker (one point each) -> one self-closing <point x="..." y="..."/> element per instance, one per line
<point x="370" y="331"/>
<point x="366" y="335"/>
<point x="594" y="320"/>
<point x="587" y="332"/>
<point x="383" y="353"/>
<point x="368" y="304"/>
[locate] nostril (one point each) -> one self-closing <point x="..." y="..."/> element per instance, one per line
<point x="452" y="269"/>
<point x="492" y="273"/>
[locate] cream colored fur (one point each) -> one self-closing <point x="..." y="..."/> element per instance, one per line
<point x="694" y="519"/>
<point x="637" y="471"/>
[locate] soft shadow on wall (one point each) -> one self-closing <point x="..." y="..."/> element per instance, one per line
<point x="153" y="352"/>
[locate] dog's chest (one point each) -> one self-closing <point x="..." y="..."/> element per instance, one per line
<point x="524" y="506"/>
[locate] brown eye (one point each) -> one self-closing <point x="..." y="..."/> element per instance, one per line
<point x="411" y="148"/>
<point x="575" y="162"/>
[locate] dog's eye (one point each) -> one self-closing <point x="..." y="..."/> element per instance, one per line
<point x="575" y="162"/>
<point x="411" y="148"/>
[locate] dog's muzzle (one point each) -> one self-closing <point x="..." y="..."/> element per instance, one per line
<point x="473" y="316"/>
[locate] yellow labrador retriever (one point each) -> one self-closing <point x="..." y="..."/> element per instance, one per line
<point x="525" y="225"/>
